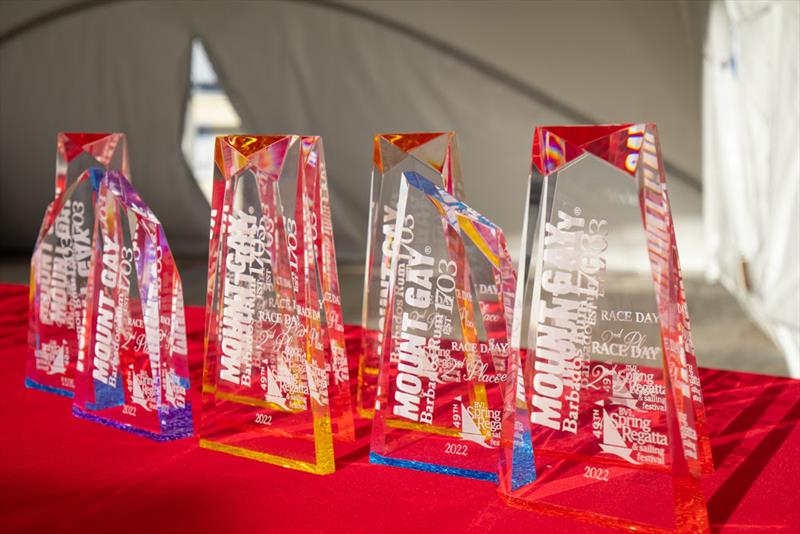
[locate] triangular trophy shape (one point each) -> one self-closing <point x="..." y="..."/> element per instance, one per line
<point x="77" y="152"/>
<point x="276" y="384"/>
<point x="433" y="155"/>
<point x="315" y="188"/>
<point x="446" y="361"/>
<point x="132" y="369"/>
<point x="610" y="377"/>
<point x="61" y="257"/>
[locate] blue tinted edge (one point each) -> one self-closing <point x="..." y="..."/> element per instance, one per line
<point x="31" y="384"/>
<point x="432" y="468"/>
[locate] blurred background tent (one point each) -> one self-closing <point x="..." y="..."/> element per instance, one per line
<point x="751" y="167"/>
<point x="174" y="74"/>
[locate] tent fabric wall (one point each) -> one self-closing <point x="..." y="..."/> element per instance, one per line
<point x="311" y="67"/>
<point x="752" y="162"/>
<point x="116" y="68"/>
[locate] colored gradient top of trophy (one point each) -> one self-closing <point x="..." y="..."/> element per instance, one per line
<point x="445" y="362"/>
<point x="432" y="155"/>
<point x="78" y="152"/>
<point x="610" y="375"/>
<point x="132" y="369"/>
<point x="61" y="257"/>
<point x="275" y="379"/>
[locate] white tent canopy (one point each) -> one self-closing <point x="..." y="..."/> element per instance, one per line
<point x="490" y="71"/>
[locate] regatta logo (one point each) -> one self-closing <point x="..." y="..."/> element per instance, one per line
<point x="52" y="357"/>
<point x="238" y="308"/>
<point x="142" y="389"/>
<point x="175" y="393"/>
<point x="632" y="438"/>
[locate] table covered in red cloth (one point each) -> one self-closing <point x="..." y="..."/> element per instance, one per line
<point x="59" y="473"/>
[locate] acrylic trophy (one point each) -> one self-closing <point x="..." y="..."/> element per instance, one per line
<point x="432" y="155"/>
<point x="610" y="376"/>
<point x="445" y="362"/>
<point x="61" y="257"/>
<point x="132" y="368"/>
<point x="275" y="381"/>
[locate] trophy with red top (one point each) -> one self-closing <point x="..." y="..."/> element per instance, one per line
<point x="610" y="380"/>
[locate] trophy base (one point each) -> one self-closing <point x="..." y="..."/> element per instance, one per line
<point x="179" y="432"/>
<point x="432" y="468"/>
<point x="32" y="384"/>
<point x="325" y="468"/>
<point x="587" y="518"/>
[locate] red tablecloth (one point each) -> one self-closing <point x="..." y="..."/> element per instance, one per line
<point x="60" y="473"/>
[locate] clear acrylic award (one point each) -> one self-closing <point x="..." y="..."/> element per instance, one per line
<point x="611" y="380"/>
<point x="446" y="359"/>
<point x="275" y="382"/>
<point x="132" y="371"/>
<point x="432" y="155"/>
<point x="61" y="258"/>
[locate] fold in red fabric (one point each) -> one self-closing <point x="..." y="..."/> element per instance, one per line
<point x="63" y="474"/>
